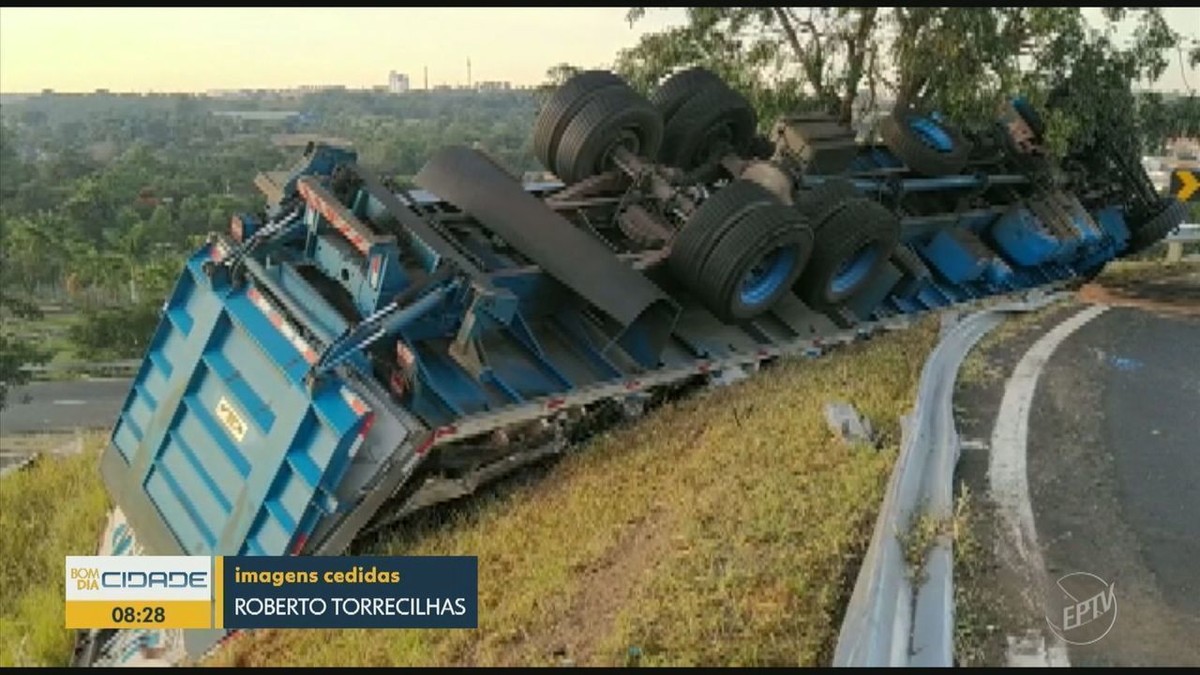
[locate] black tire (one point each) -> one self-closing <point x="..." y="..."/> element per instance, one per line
<point x="1089" y="275"/>
<point x="708" y="222"/>
<point x="912" y="267"/>
<point x="713" y="121"/>
<point x="860" y="236"/>
<point x="1152" y="230"/>
<point x="770" y="236"/>
<point x="1033" y="119"/>
<point x="612" y="116"/>
<point x="821" y="202"/>
<point x="562" y="106"/>
<point x="760" y="147"/>
<point x="909" y="147"/>
<point x="681" y="86"/>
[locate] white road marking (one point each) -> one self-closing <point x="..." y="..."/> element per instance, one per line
<point x="68" y="401"/>
<point x="1007" y="474"/>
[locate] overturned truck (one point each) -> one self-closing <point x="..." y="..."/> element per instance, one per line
<point x="360" y="351"/>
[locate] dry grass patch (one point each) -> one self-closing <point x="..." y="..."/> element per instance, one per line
<point x="50" y="510"/>
<point x="726" y="528"/>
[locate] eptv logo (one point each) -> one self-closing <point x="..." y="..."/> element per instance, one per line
<point x="1085" y="610"/>
<point x="92" y="578"/>
<point x="131" y="577"/>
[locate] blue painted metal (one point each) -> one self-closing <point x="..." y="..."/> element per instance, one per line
<point x="219" y="431"/>
<point x="952" y="256"/>
<point x="853" y="270"/>
<point x="939" y="184"/>
<point x="931" y="134"/>
<point x="387" y="321"/>
<point x="244" y="225"/>
<point x="764" y="279"/>
<point x="1024" y="239"/>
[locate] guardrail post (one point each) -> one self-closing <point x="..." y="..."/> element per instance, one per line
<point x="1174" y="251"/>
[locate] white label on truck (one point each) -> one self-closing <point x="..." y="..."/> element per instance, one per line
<point x="233" y="422"/>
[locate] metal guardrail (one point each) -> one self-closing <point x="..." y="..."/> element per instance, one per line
<point x="888" y="621"/>
<point x="1186" y="232"/>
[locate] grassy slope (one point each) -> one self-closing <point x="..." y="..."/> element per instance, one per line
<point x="51" y="510"/>
<point x="726" y="528"/>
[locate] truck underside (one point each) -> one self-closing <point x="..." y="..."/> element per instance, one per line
<point x="361" y="351"/>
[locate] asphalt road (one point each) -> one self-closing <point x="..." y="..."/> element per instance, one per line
<point x="63" y="406"/>
<point x="1114" y="478"/>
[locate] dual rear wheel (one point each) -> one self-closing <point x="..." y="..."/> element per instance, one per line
<point x="742" y="249"/>
<point x="586" y="121"/>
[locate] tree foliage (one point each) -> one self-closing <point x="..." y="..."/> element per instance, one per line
<point x="114" y="333"/>
<point x="14" y="351"/>
<point x="962" y="61"/>
<point x="102" y="196"/>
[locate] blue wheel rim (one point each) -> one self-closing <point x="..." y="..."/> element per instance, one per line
<point x="854" y="270"/>
<point x="768" y="276"/>
<point x="931" y="134"/>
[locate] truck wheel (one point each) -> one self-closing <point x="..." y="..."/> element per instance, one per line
<point x="741" y="251"/>
<point x="683" y="85"/>
<point x="852" y="245"/>
<point x="707" y="223"/>
<point x="914" y="269"/>
<point x="1170" y="214"/>
<point x="562" y="106"/>
<point x="822" y="201"/>
<point x="925" y="145"/>
<point x="714" y="121"/>
<point x="613" y="117"/>
<point x="1033" y="119"/>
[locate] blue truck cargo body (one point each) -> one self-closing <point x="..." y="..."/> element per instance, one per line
<point x="360" y="351"/>
<point x="220" y="432"/>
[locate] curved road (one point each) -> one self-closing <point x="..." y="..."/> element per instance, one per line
<point x="1114" y="478"/>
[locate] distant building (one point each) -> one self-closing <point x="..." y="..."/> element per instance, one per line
<point x="397" y="82"/>
<point x="494" y="86"/>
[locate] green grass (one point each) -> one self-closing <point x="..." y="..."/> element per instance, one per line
<point x="1120" y="272"/>
<point x="980" y="607"/>
<point x="48" y="511"/>
<point x="49" y="333"/>
<point x="726" y="528"/>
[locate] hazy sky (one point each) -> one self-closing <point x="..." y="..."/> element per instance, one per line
<point x="222" y="48"/>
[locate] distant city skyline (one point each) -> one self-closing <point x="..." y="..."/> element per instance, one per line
<point x="197" y="50"/>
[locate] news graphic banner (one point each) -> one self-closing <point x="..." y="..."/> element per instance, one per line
<point x="241" y="592"/>
<point x="125" y="591"/>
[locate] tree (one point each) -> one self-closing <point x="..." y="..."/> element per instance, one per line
<point x="557" y="74"/>
<point x="15" y="352"/>
<point x="962" y="61"/>
<point x="13" y="171"/>
<point x="116" y="333"/>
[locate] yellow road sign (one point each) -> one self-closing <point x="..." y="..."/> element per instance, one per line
<point x="1185" y="184"/>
